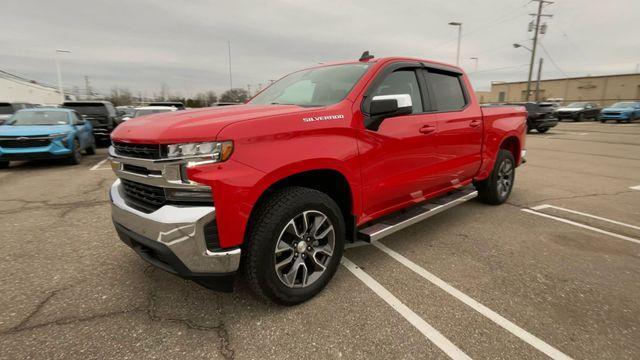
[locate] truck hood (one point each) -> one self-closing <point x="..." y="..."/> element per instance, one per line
<point x="33" y="130"/>
<point x="570" y="109"/>
<point x="194" y="125"/>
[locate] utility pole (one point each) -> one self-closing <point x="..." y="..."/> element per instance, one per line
<point x="536" y="30"/>
<point x="60" y="51"/>
<point x="249" y="89"/>
<point x="459" y="25"/>
<point x="476" y="63"/>
<point x="538" y="81"/>
<point x="230" y="77"/>
<point x="87" y="87"/>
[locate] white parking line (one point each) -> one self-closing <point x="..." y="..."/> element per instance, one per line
<point x="97" y="166"/>
<point x="485" y="311"/>
<point x="635" y="188"/>
<point x="574" y="223"/>
<point x="427" y="330"/>
<point x="547" y="206"/>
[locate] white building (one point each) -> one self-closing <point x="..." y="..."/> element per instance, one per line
<point x="17" y="89"/>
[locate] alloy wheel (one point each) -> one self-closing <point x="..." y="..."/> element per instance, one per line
<point x="304" y="249"/>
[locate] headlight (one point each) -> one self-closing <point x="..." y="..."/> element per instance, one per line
<point x="59" y="135"/>
<point x="216" y="151"/>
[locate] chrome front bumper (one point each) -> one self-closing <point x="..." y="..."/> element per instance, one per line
<point x="178" y="228"/>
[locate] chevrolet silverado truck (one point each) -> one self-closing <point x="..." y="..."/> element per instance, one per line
<point x="275" y="188"/>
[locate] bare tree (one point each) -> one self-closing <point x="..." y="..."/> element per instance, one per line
<point x="235" y="95"/>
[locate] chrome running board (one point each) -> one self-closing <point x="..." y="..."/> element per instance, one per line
<point x="400" y="220"/>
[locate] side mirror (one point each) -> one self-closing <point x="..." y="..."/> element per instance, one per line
<point x="386" y="106"/>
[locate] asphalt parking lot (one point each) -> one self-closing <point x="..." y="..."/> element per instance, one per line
<point x="553" y="273"/>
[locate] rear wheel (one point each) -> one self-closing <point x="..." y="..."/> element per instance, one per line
<point x="4" y="164"/>
<point x="295" y="245"/>
<point x="496" y="189"/>
<point x="91" y="150"/>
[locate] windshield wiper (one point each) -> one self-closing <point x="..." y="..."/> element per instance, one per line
<point x="277" y="103"/>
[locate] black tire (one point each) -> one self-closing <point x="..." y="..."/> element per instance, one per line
<point x="76" y="155"/>
<point x="491" y="190"/>
<point x="603" y="121"/>
<point x="543" y="130"/>
<point x="580" y="117"/>
<point x="4" y="164"/>
<point x="267" y="228"/>
<point x="91" y="150"/>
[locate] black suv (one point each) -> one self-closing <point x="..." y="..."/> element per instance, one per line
<point x="9" y="108"/>
<point x="101" y="114"/>
<point x="540" y="116"/>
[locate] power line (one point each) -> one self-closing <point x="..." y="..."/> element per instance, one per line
<point x="497" y="69"/>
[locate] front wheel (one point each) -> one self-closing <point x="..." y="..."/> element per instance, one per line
<point x="496" y="189"/>
<point x="76" y="155"/>
<point x="580" y="117"/>
<point x="543" y="130"/>
<point x="4" y="164"/>
<point x="295" y="245"/>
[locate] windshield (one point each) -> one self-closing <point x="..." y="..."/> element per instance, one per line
<point x="149" y="111"/>
<point x="22" y="118"/>
<point x="6" y="109"/>
<point x="314" y="87"/>
<point x="577" y="105"/>
<point x="624" y="105"/>
<point x="89" y="109"/>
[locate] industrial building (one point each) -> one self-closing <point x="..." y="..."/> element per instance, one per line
<point x="605" y="90"/>
<point x="14" y="88"/>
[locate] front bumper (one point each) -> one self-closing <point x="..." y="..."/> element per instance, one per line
<point x="621" y="116"/>
<point x="172" y="237"/>
<point x="545" y="123"/>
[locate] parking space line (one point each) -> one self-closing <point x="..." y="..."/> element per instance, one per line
<point x="635" y="188"/>
<point x="584" y="226"/>
<point x="475" y="305"/>
<point x="97" y="166"/>
<point x="427" y="330"/>
<point x="547" y="206"/>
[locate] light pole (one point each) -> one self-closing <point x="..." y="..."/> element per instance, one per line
<point x="476" y="61"/>
<point x="459" y="25"/>
<point x="60" y="51"/>
<point x="539" y="74"/>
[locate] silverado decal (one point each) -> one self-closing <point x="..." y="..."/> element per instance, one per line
<point x="323" y="118"/>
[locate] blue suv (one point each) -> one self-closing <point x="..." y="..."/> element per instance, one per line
<point x="623" y="111"/>
<point x="45" y="133"/>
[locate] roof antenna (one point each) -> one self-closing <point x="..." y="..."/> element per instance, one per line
<point x="365" y="56"/>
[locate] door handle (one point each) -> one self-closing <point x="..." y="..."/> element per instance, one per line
<point x="475" y="123"/>
<point x="428" y="129"/>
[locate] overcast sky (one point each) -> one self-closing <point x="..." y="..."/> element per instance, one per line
<point x="140" y="44"/>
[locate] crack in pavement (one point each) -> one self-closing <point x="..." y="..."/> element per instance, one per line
<point x="39" y="204"/>
<point x="150" y="310"/>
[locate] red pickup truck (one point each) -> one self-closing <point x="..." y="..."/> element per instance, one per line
<point x="274" y="188"/>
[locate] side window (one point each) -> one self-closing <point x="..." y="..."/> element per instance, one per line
<point x="447" y="90"/>
<point x="402" y="82"/>
<point x="77" y="119"/>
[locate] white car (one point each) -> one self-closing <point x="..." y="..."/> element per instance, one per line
<point x="148" y="110"/>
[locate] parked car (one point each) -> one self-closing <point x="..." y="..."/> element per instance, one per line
<point x="321" y="157"/>
<point x="148" y="110"/>
<point x="626" y="111"/>
<point x="101" y="114"/>
<point x="9" y="108"/>
<point x="540" y="116"/>
<point x="123" y="112"/>
<point x="38" y="134"/>
<point x="578" y="111"/>
<point x="176" y="104"/>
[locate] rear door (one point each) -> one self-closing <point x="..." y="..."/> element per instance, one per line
<point x="399" y="159"/>
<point x="460" y="124"/>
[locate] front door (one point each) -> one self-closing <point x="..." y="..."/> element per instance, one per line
<point x="399" y="159"/>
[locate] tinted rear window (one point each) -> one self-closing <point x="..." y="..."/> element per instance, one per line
<point x="88" y="109"/>
<point x="448" y="91"/>
<point x="6" y="109"/>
